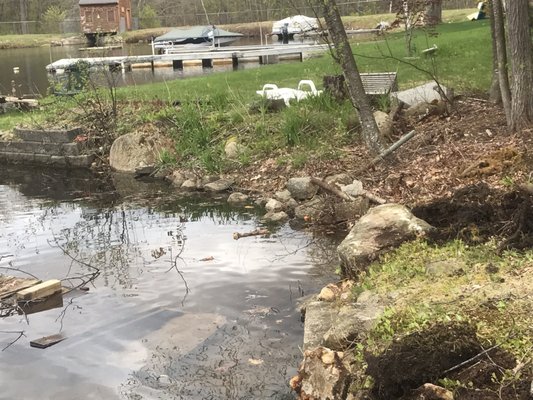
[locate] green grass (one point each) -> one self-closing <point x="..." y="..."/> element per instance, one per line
<point x="463" y="61"/>
<point x="14" y="118"/>
<point x="495" y="300"/>
<point x="34" y="40"/>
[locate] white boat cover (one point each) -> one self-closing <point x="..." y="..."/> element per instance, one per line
<point x="296" y="24"/>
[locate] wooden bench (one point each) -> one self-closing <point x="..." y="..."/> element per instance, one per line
<point x="378" y="83"/>
<point x="375" y="84"/>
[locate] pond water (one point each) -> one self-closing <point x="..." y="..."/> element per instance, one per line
<point x="31" y="76"/>
<point x="180" y="309"/>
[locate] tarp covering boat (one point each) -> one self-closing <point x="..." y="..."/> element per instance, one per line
<point x="196" y="35"/>
<point x="295" y="25"/>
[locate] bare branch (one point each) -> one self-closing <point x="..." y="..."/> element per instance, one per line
<point x="19" y="333"/>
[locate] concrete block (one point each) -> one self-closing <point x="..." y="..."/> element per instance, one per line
<point x="48" y="135"/>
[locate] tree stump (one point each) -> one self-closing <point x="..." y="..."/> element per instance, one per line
<point x="335" y="86"/>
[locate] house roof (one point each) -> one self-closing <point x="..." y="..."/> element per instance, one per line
<point x="91" y="2"/>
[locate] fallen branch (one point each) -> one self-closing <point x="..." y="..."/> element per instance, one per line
<point x="19" y="333"/>
<point x="257" y="232"/>
<point x="332" y="188"/>
<point x="471" y="359"/>
<point x="328" y="187"/>
<point x="404" y="139"/>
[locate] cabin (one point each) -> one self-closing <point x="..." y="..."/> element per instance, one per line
<point x="104" y="17"/>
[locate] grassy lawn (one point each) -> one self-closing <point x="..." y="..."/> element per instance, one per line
<point x="34" y="40"/>
<point x="462" y="61"/>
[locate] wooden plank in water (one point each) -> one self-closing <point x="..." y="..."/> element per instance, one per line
<point x="43" y="289"/>
<point x="47" y="341"/>
<point x="9" y="285"/>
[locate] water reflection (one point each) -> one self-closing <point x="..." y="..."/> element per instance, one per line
<point x="136" y="333"/>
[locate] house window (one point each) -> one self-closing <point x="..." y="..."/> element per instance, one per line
<point x="88" y="16"/>
<point x="111" y="16"/>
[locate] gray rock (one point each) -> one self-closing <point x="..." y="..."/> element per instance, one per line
<point x="283" y="196"/>
<point x="384" y="123"/>
<point x="292" y="204"/>
<point x="339" y="179"/>
<point x="301" y="188"/>
<point x="351" y="324"/>
<point x="233" y="150"/>
<point x="134" y="150"/>
<point x="312" y="209"/>
<point x="189" y="185"/>
<point x="237" y="198"/>
<point x="219" y="186"/>
<point x="209" y="179"/>
<point x="319" y="316"/>
<point x="354" y="189"/>
<point x="277" y="217"/>
<point x="261" y="201"/>
<point x="323" y="374"/>
<point x="425" y="93"/>
<point x="450" y="267"/>
<point x="177" y="178"/>
<point x="420" y="109"/>
<point x="351" y="210"/>
<point x="381" y="229"/>
<point x="274" y="206"/>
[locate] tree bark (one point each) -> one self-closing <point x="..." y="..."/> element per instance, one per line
<point x="521" y="63"/>
<point x="501" y="53"/>
<point x="23" y="16"/>
<point x="370" y="131"/>
<point x="433" y="12"/>
<point x="495" y="94"/>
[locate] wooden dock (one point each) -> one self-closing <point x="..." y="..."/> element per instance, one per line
<point x="207" y="56"/>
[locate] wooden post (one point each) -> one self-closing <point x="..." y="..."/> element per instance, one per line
<point x="235" y="61"/>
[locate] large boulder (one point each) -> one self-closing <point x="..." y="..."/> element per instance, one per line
<point x="384" y="123"/>
<point x="381" y="229"/>
<point x="301" y="188"/>
<point x="137" y="149"/>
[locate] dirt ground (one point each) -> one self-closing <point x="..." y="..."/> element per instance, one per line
<point x="464" y="172"/>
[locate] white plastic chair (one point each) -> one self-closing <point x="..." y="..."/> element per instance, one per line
<point x="273" y="92"/>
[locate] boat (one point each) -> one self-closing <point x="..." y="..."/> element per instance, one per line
<point x="197" y="35"/>
<point x="295" y="25"/>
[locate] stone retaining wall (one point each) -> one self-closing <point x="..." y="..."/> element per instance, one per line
<point x="47" y="147"/>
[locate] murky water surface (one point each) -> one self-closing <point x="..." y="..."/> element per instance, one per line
<point x="31" y="77"/>
<point x="180" y="310"/>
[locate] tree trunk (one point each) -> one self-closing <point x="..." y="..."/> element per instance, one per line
<point x="501" y="52"/>
<point x="370" y="132"/>
<point x="521" y="63"/>
<point x="433" y="12"/>
<point x="495" y="94"/>
<point x="23" y="16"/>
